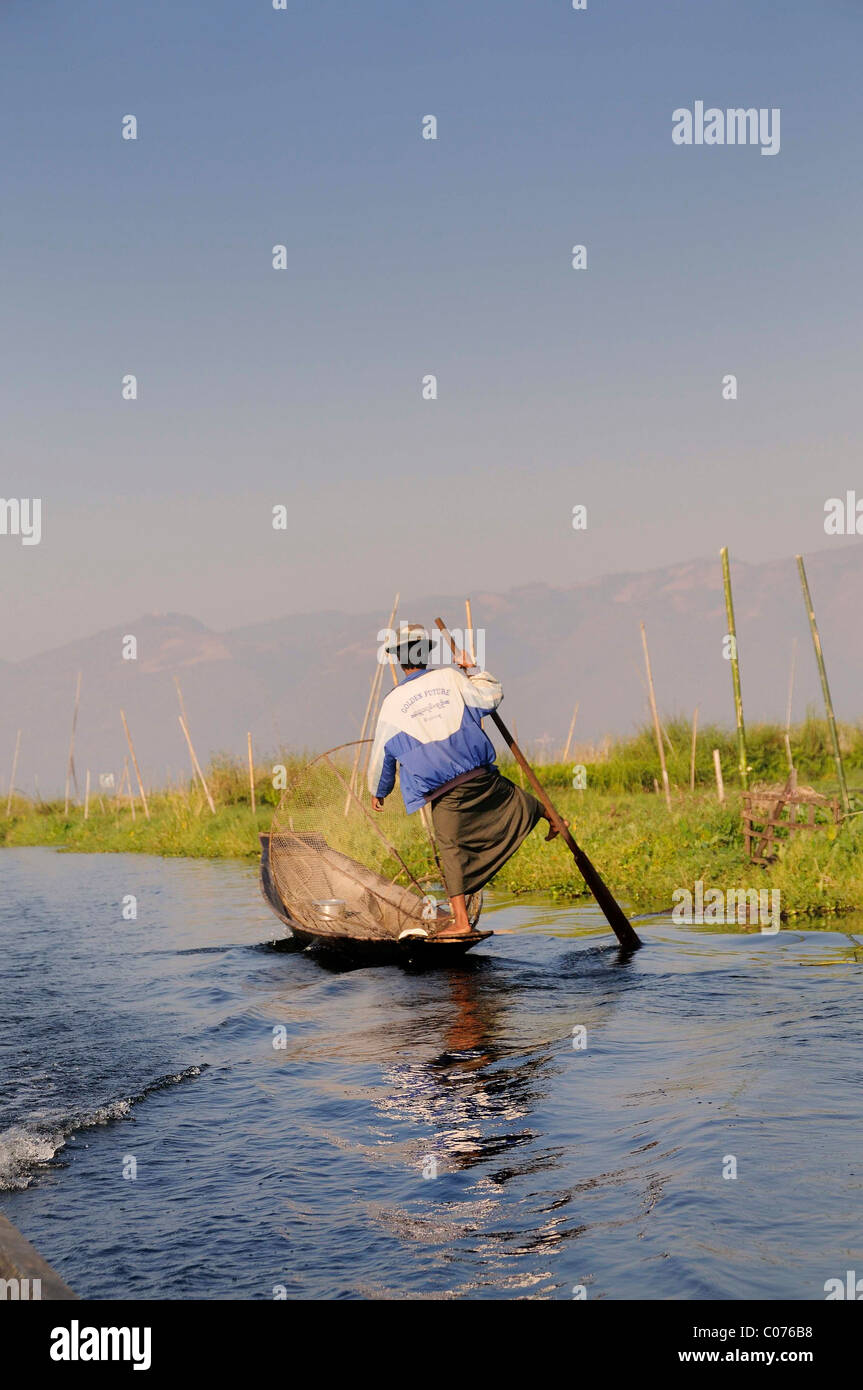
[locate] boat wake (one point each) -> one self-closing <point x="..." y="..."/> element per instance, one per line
<point x="28" y="1148"/>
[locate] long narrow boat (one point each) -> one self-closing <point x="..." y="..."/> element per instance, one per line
<point x="381" y="944"/>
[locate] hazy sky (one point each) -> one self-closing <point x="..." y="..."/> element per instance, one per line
<point x="406" y="257"/>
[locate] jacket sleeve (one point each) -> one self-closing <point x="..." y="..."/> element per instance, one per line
<point x="382" y="764"/>
<point x="481" y="691"/>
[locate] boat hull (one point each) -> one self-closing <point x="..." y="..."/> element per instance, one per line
<point x="383" y="950"/>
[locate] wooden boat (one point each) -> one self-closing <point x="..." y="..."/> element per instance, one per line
<point x="379" y="944"/>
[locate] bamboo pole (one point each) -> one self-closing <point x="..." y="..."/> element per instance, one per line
<point x="392" y="849"/>
<point x="196" y="765"/>
<point x="469" y="642"/>
<point x="788" y="753"/>
<point x="180" y="697"/>
<point x="126" y="780"/>
<point x="353" y="779"/>
<point x="825" y="688"/>
<point x="614" y="914"/>
<point x="251" y="772"/>
<point x="70" y="765"/>
<point x="692" y="758"/>
<point x="373" y="722"/>
<point x="742" y="760"/>
<point x="12" y="778"/>
<point x="656" y="726"/>
<point x="571" y="731"/>
<point x="183" y="713"/>
<point x="196" y="771"/>
<point x="135" y="765"/>
<point x="375" y="685"/>
<point x="87" y="797"/>
<point x="717" y="768"/>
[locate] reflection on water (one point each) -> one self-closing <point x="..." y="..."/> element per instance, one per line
<point x="419" y="1135"/>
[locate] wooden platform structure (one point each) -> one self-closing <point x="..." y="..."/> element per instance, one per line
<point x="771" y="815"/>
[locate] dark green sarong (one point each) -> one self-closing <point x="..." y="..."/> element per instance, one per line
<point x="479" y="824"/>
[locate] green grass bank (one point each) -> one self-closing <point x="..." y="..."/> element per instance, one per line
<point x="643" y="851"/>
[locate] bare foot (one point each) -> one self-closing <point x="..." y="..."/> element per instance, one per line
<point x="452" y="928"/>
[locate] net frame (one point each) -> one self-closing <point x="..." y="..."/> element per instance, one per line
<point x="314" y="825"/>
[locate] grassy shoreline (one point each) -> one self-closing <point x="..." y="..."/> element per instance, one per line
<point x="643" y="852"/>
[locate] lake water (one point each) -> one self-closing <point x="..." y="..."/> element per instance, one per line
<point x="148" y="1045"/>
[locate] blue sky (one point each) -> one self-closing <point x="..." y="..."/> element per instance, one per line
<point x="407" y="257"/>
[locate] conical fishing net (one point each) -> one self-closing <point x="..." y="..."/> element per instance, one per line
<point x="343" y="869"/>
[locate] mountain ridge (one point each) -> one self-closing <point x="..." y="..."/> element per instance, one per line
<point x="301" y="681"/>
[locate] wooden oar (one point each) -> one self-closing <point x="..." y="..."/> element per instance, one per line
<point x="615" y="916"/>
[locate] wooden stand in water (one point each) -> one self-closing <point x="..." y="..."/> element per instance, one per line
<point x="614" y="914"/>
<point x="766" y="825"/>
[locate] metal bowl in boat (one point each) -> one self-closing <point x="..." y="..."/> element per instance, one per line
<point x="331" y="908"/>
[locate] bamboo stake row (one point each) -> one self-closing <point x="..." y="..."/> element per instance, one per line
<point x="125" y="783"/>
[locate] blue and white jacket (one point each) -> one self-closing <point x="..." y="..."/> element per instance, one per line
<point x="431" y="724"/>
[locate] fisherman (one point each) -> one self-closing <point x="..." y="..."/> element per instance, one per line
<point x="430" y="726"/>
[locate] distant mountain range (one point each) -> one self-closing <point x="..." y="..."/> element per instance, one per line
<point x="302" y="681"/>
